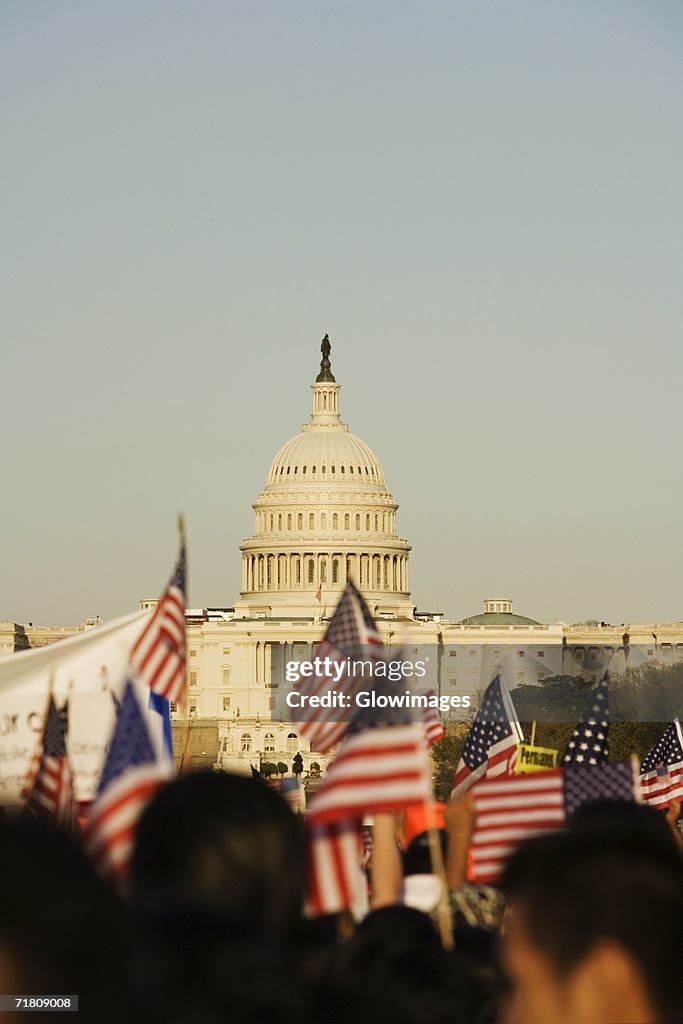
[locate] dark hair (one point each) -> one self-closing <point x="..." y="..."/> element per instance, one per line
<point x="224" y="847"/>
<point x="417" y="858"/>
<point x="579" y="887"/>
<point x="633" y="826"/>
<point x="62" y="929"/>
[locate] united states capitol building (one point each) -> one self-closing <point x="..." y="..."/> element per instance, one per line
<point x="325" y="516"/>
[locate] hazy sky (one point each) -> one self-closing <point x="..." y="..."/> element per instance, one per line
<point x="480" y="202"/>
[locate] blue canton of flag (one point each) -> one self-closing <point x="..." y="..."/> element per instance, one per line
<point x="590" y="741"/>
<point x="584" y="783"/>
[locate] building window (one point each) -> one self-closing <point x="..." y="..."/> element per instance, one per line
<point x="193" y="654"/>
<point x="226" y="677"/>
<point x="335" y="521"/>
<point x="311" y="521"/>
<point x="335" y="570"/>
<point x="311" y="570"/>
<point x="367" y="522"/>
<point x="193" y="709"/>
<point x="323" y="571"/>
<point x="174" y="706"/>
<point x="297" y="570"/>
<point x="226" y="650"/>
<point x="300" y="521"/>
<point x="289" y="521"/>
<point x="292" y="742"/>
<point x="347" y="521"/>
<point x="269" y="743"/>
<point x="323" y="521"/>
<point x="541" y="654"/>
<point x="193" y="678"/>
<point x="358" y="522"/>
<point x="279" y="522"/>
<point x="226" y="703"/>
<point x="246" y="743"/>
<point x="520" y="654"/>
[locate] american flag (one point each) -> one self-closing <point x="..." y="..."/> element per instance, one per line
<point x="130" y="776"/>
<point x="350" y="630"/>
<point x="292" y="791"/>
<point x="515" y="808"/>
<point x="380" y="768"/>
<point x="590" y="740"/>
<point x="159" y="654"/>
<point x="335" y="880"/>
<point x="662" y="769"/>
<point x="52" y="793"/>
<point x="434" y="730"/>
<point x="492" y="741"/>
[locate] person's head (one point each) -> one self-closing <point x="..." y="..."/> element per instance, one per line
<point x="594" y="930"/>
<point x="633" y="826"/>
<point x="417" y="859"/>
<point x="221" y="846"/>
<point x="62" y="929"/>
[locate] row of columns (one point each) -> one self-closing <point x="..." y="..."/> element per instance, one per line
<point x="281" y="522"/>
<point x="308" y="571"/>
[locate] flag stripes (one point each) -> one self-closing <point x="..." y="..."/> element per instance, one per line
<point x="52" y="794"/>
<point x="158" y="656"/>
<point x="434" y="730"/>
<point x="350" y="629"/>
<point x="335" y="877"/>
<point x="377" y="769"/>
<point x="491" y="744"/>
<point x="130" y="776"/>
<point x="662" y="769"/>
<point x="515" y="808"/>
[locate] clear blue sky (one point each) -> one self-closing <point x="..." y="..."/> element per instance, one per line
<point x="480" y="202"/>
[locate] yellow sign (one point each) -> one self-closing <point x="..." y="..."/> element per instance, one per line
<point x="535" y="759"/>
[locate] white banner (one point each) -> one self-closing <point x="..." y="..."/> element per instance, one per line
<point x="88" y="669"/>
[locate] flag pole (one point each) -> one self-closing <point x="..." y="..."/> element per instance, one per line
<point x="635" y="767"/>
<point x="443" y="910"/>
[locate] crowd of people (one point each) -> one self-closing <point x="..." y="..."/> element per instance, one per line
<point x="587" y="926"/>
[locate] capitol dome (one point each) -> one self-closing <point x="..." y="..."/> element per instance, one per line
<point x="325" y="516"/>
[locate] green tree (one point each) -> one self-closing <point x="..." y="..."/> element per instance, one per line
<point x="445" y="756"/>
<point x="281" y="768"/>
